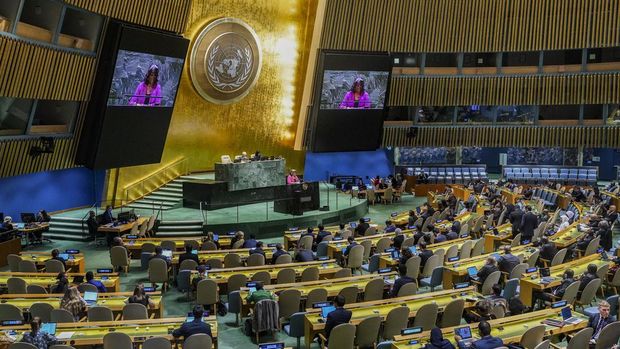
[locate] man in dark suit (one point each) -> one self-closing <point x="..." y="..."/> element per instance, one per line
<point x="321" y="234"/>
<point x="515" y="218"/>
<point x="588" y="276"/>
<point x="361" y="228"/>
<point x="251" y="242"/>
<point x="485" y="342"/>
<point x="547" y="249"/>
<point x="93" y="225"/>
<point x="338" y="316"/>
<point x="402" y="280"/>
<point x="424" y="254"/>
<point x="56" y="256"/>
<point x="278" y="253"/>
<point x="398" y="239"/>
<point x="159" y="254"/>
<point x="107" y="216"/>
<point x="188" y="254"/>
<point x="508" y="261"/>
<point x="304" y="255"/>
<point x="529" y="222"/>
<point x="558" y="292"/>
<point x="195" y="326"/>
<point x="604" y="232"/>
<point x="489" y="266"/>
<point x="599" y="321"/>
<point x="259" y="249"/>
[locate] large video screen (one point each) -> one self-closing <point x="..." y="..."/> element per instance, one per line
<point x="144" y="79"/>
<point x="347" y="89"/>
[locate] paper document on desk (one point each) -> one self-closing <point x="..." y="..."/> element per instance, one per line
<point x="65" y="335"/>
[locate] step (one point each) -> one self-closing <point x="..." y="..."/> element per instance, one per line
<point x="62" y="236"/>
<point x="146" y="207"/>
<point x="157" y="197"/>
<point x="170" y="228"/>
<point x="169" y="194"/>
<point x="62" y="225"/>
<point x="180" y="233"/>
<point x="174" y="184"/>
<point x="65" y="219"/>
<point x="170" y="189"/>
<point x="180" y="223"/>
<point x="68" y="230"/>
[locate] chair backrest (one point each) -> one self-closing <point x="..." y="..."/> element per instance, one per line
<point x="413" y="267"/>
<point x="54" y="266"/>
<point x="532" y="337"/>
<point x="452" y="251"/>
<point x="533" y="258"/>
<point x="492" y="279"/>
<point x="478" y="248"/>
<point x="255" y="260"/>
<point x="609" y="336"/>
<point x="356" y="256"/>
<point x="117" y="340"/>
<point x="310" y="274"/>
<point x="16" y="285"/>
<point x="571" y="292"/>
<point x="516" y="241"/>
<point x="431" y="263"/>
<point x="156" y="343"/>
<point x="349" y="293"/>
<point x="426" y="316"/>
<point x="374" y="290"/>
<point x="188" y="264"/>
<point x="452" y="313"/>
<point x="288" y="302"/>
<point x="10" y="312"/>
<point x="559" y="257"/>
<point x="27" y="266"/>
<point x="286" y="276"/>
<point x="236" y="281"/>
<point x="21" y="345"/>
<point x="367" y="332"/>
<point x="373" y="263"/>
<point x="382" y="244"/>
<point x="518" y="271"/>
<point x="464" y="228"/>
<point x="588" y="293"/>
<point x="343" y="273"/>
<point x="602" y="271"/>
<point x="263" y="276"/>
<point x="100" y="313"/>
<point x="321" y="248"/>
<point x="592" y="246"/>
<point x="498" y="311"/>
<point x="158" y="270"/>
<point x="285" y="259"/>
<point x="510" y="288"/>
<point x="544" y="344"/>
<point x="408" y="289"/>
<point x="296" y="324"/>
<point x="208" y="246"/>
<point x="42" y="311"/>
<point x="198" y="341"/>
<point x="61" y="346"/>
<point x="317" y="295"/>
<point x="207" y="292"/>
<point x="144" y="227"/>
<point x="581" y="339"/>
<point x="135" y="311"/>
<point x="232" y="260"/>
<point x="119" y="257"/>
<point x="465" y="252"/>
<point x="148" y="247"/>
<point x="61" y="316"/>
<point x="13" y="262"/>
<point x="342" y="336"/>
<point x="306" y="242"/>
<point x="367" y="244"/>
<point x="408" y="242"/>
<point x="168" y="245"/>
<point x="395" y="321"/>
<point x="83" y="287"/>
<point x="214" y="263"/>
<point x="238" y="244"/>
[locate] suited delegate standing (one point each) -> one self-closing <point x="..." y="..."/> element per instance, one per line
<point x="529" y="222"/>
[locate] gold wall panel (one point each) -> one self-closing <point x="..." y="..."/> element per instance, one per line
<point x="504" y="136"/>
<point x="505" y="90"/>
<point x="267" y="117"/>
<point x="169" y="15"/>
<point x="470" y="25"/>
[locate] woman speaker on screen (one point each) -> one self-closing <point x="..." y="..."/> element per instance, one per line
<point x="356" y="97"/>
<point x="148" y="92"/>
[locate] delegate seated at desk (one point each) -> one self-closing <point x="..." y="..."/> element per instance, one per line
<point x="292" y="178"/>
<point x="195" y="326"/>
<point x="485" y="342"/>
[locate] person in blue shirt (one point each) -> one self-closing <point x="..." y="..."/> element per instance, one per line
<point x="485" y="342"/>
<point x="251" y="242"/>
<point x="321" y="234"/>
<point x="195" y="326"/>
<point x="389" y="226"/>
<point x="90" y="279"/>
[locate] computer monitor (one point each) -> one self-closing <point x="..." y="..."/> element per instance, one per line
<point x="166" y="253"/>
<point x="28" y="217"/>
<point x="216" y="237"/>
<point x="64" y="256"/>
<point x="395" y="254"/>
<point x="124" y="216"/>
<point x="326" y="310"/>
<point x="49" y="328"/>
<point x="463" y="332"/>
<point x="413" y="249"/>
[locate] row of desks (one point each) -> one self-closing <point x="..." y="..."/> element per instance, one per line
<point x="75" y="263"/>
<point x="110" y="281"/>
<point x="135" y="245"/>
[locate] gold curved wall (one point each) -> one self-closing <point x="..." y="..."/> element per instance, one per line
<point x="266" y="118"/>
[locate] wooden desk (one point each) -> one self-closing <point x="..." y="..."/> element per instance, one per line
<point x="512" y="330"/>
<point x="461" y="192"/>
<point x="335" y="248"/>
<point x="113" y="300"/>
<point x="291" y="237"/>
<point x="244" y="253"/>
<point x="567" y="237"/>
<point x="445" y="225"/>
<point x="455" y="272"/>
<point x="509" y="196"/>
<point x="112" y="283"/>
<point x="91" y="333"/>
<point x="75" y="264"/>
<point x="579" y="266"/>
<point x="492" y="241"/>
<point x="121" y="228"/>
<point x="386" y="260"/>
<point x="11" y="246"/>
<point x="33" y="228"/>
<point x="360" y="311"/>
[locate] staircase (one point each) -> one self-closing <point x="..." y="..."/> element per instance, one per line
<point x="168" y="196"/>
<point x="179" y="228"/>
<point x="67" y="228"/>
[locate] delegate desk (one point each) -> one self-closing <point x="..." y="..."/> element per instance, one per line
<point x="360" y="311"/>
<point x="119" y="229"/>
<point x="110" y="281"/>
<point x="509" y="196"/>
<point x="327" y="269"/>
<point x="455" y="272"/>
<point x="244" y="253"/>
<point x="614" y="198"/>
<point x="336" y="248"/>
<point x="135" y="245"/>
<point x="113" y="300"/>
<point x="445" y="225"/>
<point x="534" y="282"/>
<point x="75" y="262"/>
<point x="567" y="237"/>
<point x="292" y="236"/>
<point x="510" y="329"/>
<point x="92" y="333"/>
<point x="386" y="260"/>
<point x="31" y="228"/>
<point x="492" y="241"/>
<point x="333" y="288"/>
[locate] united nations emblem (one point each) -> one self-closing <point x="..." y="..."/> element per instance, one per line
<point x="225" y="61"/>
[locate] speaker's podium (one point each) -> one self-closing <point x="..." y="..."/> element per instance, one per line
<point x="295" y="199"/>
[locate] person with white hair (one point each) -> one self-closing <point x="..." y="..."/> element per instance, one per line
<point x="564" y="222"/>
<point x="570" y="215"/>
<point x="7" y="224"/>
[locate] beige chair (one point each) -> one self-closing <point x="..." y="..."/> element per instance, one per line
<point x="592" y="246"/>
<point x="349" y="293"/>
<point x="284" y="259"/>
<point x="452" y="313"/>
<point x="13" y="262"/>
<point x="413" y="267"/>
<point x="238" y="244"/>
<point x="371" y="196"/>
<point x="214" y="263"/>
<point x="602" y="272"/>
<point x="198" y="341"/>
<point x="310" y="274"/>
<point x="395" y="321"/>
<point x="263" y="276"/>
<point x="532" y="337"/>
<point x="236" y="281"/>
<point x="61" y="346"/>
<point x="42" y="311"/>
<point x="36" y="289"/>
<point x="516" y="241"/>
<point x="288" y="303"/>
<point x="16" y="286"/>
<point x="135" y="311"/>
<point x="408" y="242"/>
<point x="533" y="259"/>
<point x="61" y="316"/>
<point x="255" y="260"/>
<point x="492" y="279"/>
<point x="207" y="292"/>
<point x="477" y="250"/>
<point x="144" y="227"/>
<point x="518" y="271"/>
<point x="570" y="295"/>
<point x="196" y="245"/>
<point x="388" y="196"/>
<point x="148" y="247"/>
<point x="452" y="252"/>
<point x="341" y="337"/>
<point x="27" y="266"/>
<point x="499" y="311"/>
<point x="232" y="260"/>
<point x="188" y="264"/>
<point x="208" y="246"/>
<point x="286" y="276"/>
<point x="355" y="257"/>
<point x="367" y="244"/>
<point x="464" y="229"/>
<point x="408" y="289"/>
<point x="316" y="295"/>
<point x="580" y="340"/>
<point x="374" y="290"/>
<point x="367" y="332"/>
<point x="306" y="242"/>
<point x="10" y="312"/>
<point x="54" y="266"/>
<point x="157" y="343"/>
<point x="615" y="282"/>
<point x="588" y="293"/>
<point x="150" y="225"/>
<point x="158" y="272"/>
<point x="609" y="336"/>
<point x="431" y="263"/>
<point x="100" y="313"/>
<point x="86" y="287"/>
<point x="559" y="257"/>
<point x="119" y="258"/>
<point x="383" y="244"/>
<point x="426" y="316"/>
<point x="343" y="273"/>
<point x="117" y="340"/>
<point x="135" y="230"/>
<point x="168" y="245"/>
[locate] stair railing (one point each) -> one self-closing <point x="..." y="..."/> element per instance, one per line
<point x="142" y="187"/>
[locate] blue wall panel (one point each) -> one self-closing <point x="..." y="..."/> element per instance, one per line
<point x="319" y="166"/>
<point x="52" y="191"/>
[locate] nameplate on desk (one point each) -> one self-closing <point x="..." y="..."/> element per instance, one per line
<point x="72" y="251"/>
<point x="411" y="330"/>
<point x="318" y="305"/>
<point x="394" y="214"/>
<point x="323" y="258"/>
<point x="384" y="270"/>
<point x="271" y="345"/>
<point x="131" y="236"/>
<point x="104" y="271"/>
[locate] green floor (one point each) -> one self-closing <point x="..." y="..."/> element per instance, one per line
<point x="229" y="336"/>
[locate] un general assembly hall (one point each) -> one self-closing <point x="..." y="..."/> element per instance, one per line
<point x="309" y="174"/>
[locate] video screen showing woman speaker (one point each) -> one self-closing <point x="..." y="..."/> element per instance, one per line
<point x="354" y="89"/>
<point x="145" y="80"/>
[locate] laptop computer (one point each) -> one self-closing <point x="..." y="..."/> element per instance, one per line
<point x="279" y="345"/>
<point x="216" y="237"/>
<point x="395" y="254"/>
<point x="64" y="256"/>
<point x="413" y="249"/>
<point x="49" y="328"/>
<point x="568" y="317"/>
<point x="326" y="310"/>
<point x="90" y="297"/>
<point x="167" y="253"/>
<point x="465" y="334"/>
<point x="473" y="273"/>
